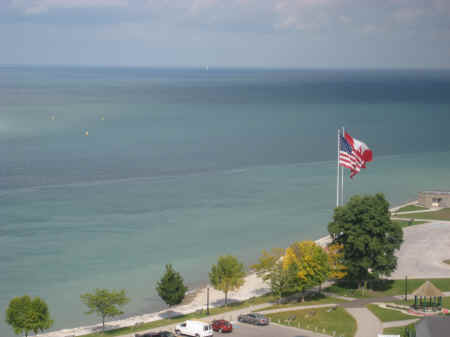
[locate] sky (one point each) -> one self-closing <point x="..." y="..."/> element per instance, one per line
<point x="227" y="33"/>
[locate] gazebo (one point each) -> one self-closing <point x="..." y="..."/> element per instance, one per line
<point x="427" y="296"/>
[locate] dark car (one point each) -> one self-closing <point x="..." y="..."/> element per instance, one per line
<point x="253" y="318"/>
<point x="222" y="325"/>
<point x="156" y="334"/>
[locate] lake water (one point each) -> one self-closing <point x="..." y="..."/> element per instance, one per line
<point x="183" y="165"/>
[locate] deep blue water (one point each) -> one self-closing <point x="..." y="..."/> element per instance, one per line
<point x="183" y="165"/>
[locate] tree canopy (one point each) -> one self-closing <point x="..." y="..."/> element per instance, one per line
<point x="227" y="275"/>
<point x="24" y="315"/>
<point x="311" y="261"/>
<point x="267" y="263"/>
<point x="171" y="287"/>
<point x="105" y="303"/>
<point x="368" y="236"/>
<point x="284" y="282"/>
<point x="335" y="258"/>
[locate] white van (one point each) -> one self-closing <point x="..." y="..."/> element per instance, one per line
<point x="194" y="328"/>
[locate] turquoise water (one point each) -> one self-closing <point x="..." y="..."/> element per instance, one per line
<point x="181" y="166"/>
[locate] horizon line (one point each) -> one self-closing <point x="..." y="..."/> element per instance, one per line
<point x="221" y="67"/>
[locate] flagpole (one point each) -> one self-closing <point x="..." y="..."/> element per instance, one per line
<point x="342" y="176"/>
<point x="337" y="179"/>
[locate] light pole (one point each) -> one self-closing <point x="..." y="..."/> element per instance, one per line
<point x="406" y="288"/>
<point x="207" y="301"/>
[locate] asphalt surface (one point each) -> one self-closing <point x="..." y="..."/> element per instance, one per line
<point x="424" y="248"/>
<point x="272" y="330"/>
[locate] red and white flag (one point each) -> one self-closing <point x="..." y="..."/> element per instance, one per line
<point x="353" y="154"/>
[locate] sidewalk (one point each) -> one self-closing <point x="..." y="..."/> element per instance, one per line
<point x="368" y="325"/>
<point x="399" y="323"/>
<point x="304" y="307"/>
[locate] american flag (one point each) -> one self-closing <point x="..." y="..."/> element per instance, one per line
<point x="349" y="157"/>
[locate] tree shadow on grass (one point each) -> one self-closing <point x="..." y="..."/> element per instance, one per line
<point x="375" y="285"/>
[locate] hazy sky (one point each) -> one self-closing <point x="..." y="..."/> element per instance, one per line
<point x="259" y="33"/>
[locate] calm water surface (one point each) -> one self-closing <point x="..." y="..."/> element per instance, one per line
<point x="182" y="166"/>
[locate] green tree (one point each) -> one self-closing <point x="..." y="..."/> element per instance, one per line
<point x="369" y="237"/>
<point x="24" y="315"/>
<point x="284" y="282"/>
<point x="171" y="287"/>
<point x="105" y="303"/>
<point x="268" y="262"/>
<point x="227" y="275"/>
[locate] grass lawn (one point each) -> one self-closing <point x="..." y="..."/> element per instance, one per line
<point x="445" y="302"/>
<point x="384" y="288"/>
<point x="169" y="321"/>
<point x="311" y="300"/>
<point x="407" y="223"/>
<point x="443" y="214"/>
<point x="410" y="208"/>
<point x="400" y="330"/>
<point x="388" y="315"/>
<point x="337" y="320"/>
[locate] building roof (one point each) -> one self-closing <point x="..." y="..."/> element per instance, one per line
<point x="427" y="289"/>
<point x="435" y="326"/>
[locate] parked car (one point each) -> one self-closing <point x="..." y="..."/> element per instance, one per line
<point x="253" y="318"/>
<point x="156" y="334"/>
<point x="222" y="325"/>
<point x="194" y="328"/>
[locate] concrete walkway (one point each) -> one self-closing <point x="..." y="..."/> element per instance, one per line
<point x="345" y="298"/>
<point x="304" y="307"/>
<point x="416" y="219"/>
<point x="425" y="210"/>
<point x="399" y="323"/>
<point x="368" y="325"/>
<point x="363" y="302"/>
<point x="396" y="208"/>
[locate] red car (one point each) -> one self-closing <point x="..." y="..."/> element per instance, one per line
<point x="222" y="325"/>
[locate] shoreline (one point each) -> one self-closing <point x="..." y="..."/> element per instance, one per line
<point x="253" y="286"/>
<point x="196" y="301"/>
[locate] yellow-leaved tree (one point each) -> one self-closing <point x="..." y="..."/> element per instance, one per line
<point x="335" y="255"/>
<point x="311" y="261"/>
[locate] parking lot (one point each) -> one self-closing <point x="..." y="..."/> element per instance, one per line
<point x="247" y="330"/>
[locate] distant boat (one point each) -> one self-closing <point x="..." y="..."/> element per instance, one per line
<point x="207" y="68"/>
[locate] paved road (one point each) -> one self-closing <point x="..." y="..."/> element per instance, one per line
<point x="368" y="324"/>
<point x="423" y="251"/>
<point x="272" y="330"/>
